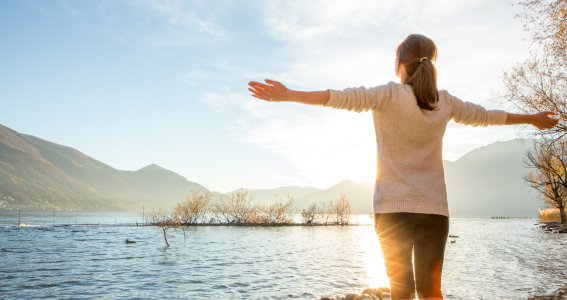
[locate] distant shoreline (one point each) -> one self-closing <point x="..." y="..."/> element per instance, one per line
<point x="187" y="225"/>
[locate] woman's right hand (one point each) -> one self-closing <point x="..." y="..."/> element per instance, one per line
<point x="271" y="91"/>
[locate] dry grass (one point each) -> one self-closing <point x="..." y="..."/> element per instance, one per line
<point x="549" y="215"/>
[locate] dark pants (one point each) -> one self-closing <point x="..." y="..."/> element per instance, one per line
<point x="425" y="235"/>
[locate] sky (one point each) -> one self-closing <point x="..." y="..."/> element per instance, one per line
<point x="133" y="83"/>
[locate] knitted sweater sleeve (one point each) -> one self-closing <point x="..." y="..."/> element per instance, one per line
<point x="361" y="98"/>
<point x="468" y="113"/>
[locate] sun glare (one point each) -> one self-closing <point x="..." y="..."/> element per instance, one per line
<point x="374" y="261"/>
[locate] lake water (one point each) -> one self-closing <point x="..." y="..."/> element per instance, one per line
<point x="491" y="259"/>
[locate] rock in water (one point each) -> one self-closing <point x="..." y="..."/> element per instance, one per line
<point x="368" y="294"/>
<point x="367" y="297"/>
<point x="128" y="241"/>
<point x="351" y="296"/>
<point x="378" y="293"/>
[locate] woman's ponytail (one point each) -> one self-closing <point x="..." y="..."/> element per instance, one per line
<point x="417" y="53"/>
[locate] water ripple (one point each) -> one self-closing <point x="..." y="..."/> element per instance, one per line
<point x="492" y="259"/>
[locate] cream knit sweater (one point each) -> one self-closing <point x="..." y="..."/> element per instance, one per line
<point x="410" y="176"/>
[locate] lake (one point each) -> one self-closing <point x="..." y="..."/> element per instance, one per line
<point x="55" y="256"/>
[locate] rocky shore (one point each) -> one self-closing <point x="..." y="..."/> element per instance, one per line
<point x="553" y="227"/>
<point x="367" y="294"/>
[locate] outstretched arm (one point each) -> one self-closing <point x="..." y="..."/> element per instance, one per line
<point x="277" y="92"/>
<point x="468" y="113"/>
<point x="540" y="120"/>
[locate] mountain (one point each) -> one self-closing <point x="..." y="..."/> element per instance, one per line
<point x="41" y="175"/>
<point x="357" y="192"/>
<point x="488" y="181"/>
<point x="281" y="193"/>
<point x="484" y="182"/>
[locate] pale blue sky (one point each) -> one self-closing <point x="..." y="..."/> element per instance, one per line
<point x="132" y="83"/>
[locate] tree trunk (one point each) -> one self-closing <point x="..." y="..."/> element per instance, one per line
<point x="562" y="214"/>
<point x="165" y="236"/>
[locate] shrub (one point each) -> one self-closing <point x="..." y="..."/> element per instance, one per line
<point x="193" y="208"/>
<point x="549" y="215"/>
<point x="235" y="208"/>
<point x="278" y="212"/>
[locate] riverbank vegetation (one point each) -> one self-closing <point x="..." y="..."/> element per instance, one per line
<point x="549" y="176"/>
<point x="549" y="215"/>
<point x="239" y="208"/>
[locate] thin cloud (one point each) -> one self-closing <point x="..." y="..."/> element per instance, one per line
<point x="294" y="21"/>
<point x="155" y="23"/>
<point x="215" y="100"/>
<point x="192" y="16"/>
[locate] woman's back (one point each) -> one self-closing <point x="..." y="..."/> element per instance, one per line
<point x="410" y="175"/>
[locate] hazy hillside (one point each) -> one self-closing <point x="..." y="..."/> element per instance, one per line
<point x="488" y="182"/>
<point x="484" y="182"/>
<point x="158" y="187"/>
<point x="281" y="193"/>
<point x="358" y="193"/>
<point x="38" y="174"/>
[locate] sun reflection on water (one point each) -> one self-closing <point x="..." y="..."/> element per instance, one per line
<point x="373" y="260"/>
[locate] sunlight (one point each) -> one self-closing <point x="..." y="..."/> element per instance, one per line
<point x="323" y="146"/>
<point x="374" y="261"/>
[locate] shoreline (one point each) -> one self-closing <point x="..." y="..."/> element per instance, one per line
<point x="184" y="225"/>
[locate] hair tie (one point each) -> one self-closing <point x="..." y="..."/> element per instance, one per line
<point x="423" y="58"/>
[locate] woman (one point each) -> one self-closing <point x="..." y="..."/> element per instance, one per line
<point x="410" y="199"/>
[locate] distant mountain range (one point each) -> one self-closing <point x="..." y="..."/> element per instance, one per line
<point x="359" y="194"/>
<point x="488" y="181"/>
<point x="484" y="182"/>
<point x="40" y="175"/>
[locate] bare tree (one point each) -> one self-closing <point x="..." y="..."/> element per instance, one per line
<point x="193" y="208"/>
<point x="546" y="21"/>
<point x="540" y="82"/>
<point x="278" y="212"/>
<point x="309" y="214"/>
<point x="341" y="210"/>
<point x="165" y="222"/>
<point x="326" y="212"/>
<point x="549" y="176"/>
<point x="236" y="208"/>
